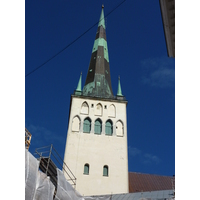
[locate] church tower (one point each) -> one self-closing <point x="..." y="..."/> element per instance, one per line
<point x="96" y="146"/>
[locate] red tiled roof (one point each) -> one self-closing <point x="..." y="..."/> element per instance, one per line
<point x="139" y="182"/>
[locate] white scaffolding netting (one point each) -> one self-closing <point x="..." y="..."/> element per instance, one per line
<point x="64" y="189"/>
<point x="106" y="197"/>
<point x="31" y="172"/>
<point x="39" y="187"/>
<point x="44" y="187"/>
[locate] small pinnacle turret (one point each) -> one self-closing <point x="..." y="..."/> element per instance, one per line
<point x="119" y="90"/>
<point x="98" y="81"/>
<point x="79" y="86"/>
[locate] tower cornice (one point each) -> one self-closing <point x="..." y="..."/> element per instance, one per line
<point x="122" y="99"/>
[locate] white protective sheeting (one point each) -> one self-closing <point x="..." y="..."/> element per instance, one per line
<point x="66" y="192"/>
<point x="44" y="187"/>
<point x="64" y="189"/>
<point x="37" y="185"/>
<point x="106" y="197"/>
<point x="31" y="171"/>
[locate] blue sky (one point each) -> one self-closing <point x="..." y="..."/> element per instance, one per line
<point x="137" y="53"/>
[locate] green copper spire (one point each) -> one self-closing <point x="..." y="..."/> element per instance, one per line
<point x="78" y="89"/>
<point x="98" y="81"/>
<point x="119" y="91"/>
<point x="79" y="84"/>
<point x="101" y="20"/>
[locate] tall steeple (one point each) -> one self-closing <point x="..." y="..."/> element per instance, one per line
<point x="98" y="81"/>
<point x="98" y="126"/>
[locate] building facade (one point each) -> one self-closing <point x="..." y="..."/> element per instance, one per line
<point x="96" y="146"/>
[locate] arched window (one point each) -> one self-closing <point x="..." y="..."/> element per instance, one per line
<point x="109" y="127"/>
<point x="111" y="111"/>
<point x="84" y="108"/>
<point x="87" y="125"/>
<point x="98" y="127"/>
<point x="76" y="124"/>
<point x="98" y="109"/>
<point x="119" y="129"/>
<point x="86" y="169"/>
<point x="105" y="170"/>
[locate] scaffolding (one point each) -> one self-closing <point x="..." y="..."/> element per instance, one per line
<point x="27" y="138"/>
<point x="49" y="161"/>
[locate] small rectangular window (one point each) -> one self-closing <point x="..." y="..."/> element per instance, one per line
<point x="92" y="105"/>
<point x="105" y="106"/>
<point x="105" y="170"/>
<point x="86" y="169"/>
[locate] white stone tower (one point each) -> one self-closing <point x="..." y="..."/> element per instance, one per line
<point x="96" y="146"/>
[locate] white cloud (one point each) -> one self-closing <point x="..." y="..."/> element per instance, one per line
<point x="133" y="151"/>
<point x="144" y="158"/>
<point x="158" y="72"/>
<point x="149" y="158"/>
<point x="42" y="136"/>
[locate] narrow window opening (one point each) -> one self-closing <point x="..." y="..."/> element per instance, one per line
<point x="105" y="170"/>
<point x="119" y="129"/>
<point x="87" y="125"/>
<point x="86" y="169"/>
<point x="98" y="127"/>
<point x="109" y="127"/>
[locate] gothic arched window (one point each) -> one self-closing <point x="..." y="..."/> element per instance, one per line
<point x="98" y="127"/>
<point x="84" y="108"/>
<point x="111" y="111"/>
<point x="76" y="124"/>
<point x="109" y="127"/>
<point x="98" y="109"/>
<point x="119" y="129"/>
<point x="87" y="125"/>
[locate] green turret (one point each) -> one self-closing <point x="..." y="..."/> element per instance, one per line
<point x="79" y="86"/>
<point x="119" y="90"/>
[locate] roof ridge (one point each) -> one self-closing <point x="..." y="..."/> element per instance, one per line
<point x="151" y="174"/>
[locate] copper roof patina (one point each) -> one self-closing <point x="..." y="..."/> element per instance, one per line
<point x="98" y="81"/>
